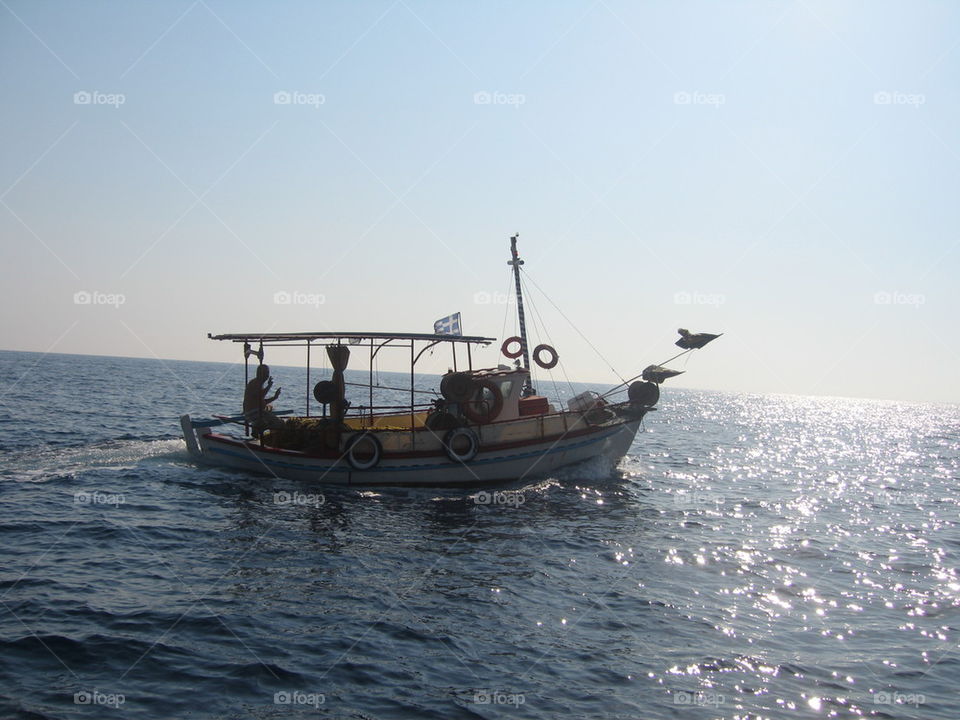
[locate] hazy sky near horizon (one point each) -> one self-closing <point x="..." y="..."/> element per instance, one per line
<point x="783" y="172"/>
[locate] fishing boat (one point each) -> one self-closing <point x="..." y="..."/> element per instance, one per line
<point x="480" y="425"/>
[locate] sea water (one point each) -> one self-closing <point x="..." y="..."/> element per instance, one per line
<point x="752" y="556"/>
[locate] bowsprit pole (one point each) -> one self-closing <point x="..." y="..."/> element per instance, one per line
<point x="515" y="263"/>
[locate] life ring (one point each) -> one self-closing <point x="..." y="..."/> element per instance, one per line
<point x="473" y="444"/>
<point x="457" y="387"/>
<point x="505" y="348"/>
<point x="554" y="358"/>
<point x="361" y="461"/>
<point x="472" y="407"/>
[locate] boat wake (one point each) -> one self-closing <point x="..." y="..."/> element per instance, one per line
<point x="592" y="470"/>
<point x="42" y="465"/>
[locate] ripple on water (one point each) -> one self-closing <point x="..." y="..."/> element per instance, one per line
<point x="752" y="556"/>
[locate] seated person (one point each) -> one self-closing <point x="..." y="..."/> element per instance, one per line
<point x="256" y="405"/>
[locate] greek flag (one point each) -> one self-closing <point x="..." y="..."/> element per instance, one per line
<point x="450" y="325"/>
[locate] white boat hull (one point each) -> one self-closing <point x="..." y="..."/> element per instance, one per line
<point x="529" y="460"/>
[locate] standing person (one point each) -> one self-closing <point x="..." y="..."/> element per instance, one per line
<point x="256" y="405"/>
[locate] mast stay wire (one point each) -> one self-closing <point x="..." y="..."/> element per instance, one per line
<point x="563" y="315"/>
<point x="616" y="388"/>
<point x="546" y="334"/>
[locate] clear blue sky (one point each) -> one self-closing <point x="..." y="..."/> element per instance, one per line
<point x="786" y="173"/>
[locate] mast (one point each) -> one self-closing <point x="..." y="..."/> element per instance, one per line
<point x="515" y="263"/>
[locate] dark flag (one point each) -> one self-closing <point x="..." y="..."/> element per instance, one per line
<point x="694" y="341"/>
<point x="657" y="374"/>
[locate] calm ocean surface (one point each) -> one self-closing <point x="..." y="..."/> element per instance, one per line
<point x="753" y="556"/>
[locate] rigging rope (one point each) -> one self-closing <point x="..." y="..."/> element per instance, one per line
<point x="616" y="388"/>
<point x="533" y="324"/>
<point x="592" y="347"/>
<point x="399" y="389"/>
<point x="537" y="316"/>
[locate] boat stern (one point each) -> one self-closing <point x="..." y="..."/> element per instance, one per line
<point x="191" y="437"/>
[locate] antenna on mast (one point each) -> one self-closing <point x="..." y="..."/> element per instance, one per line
<point x="515" y="262"/>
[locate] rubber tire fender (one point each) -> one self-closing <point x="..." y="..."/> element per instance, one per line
<point x="457" y="387"/>
<point x="643" y="393"/>
<point x="325" y="392"/>
<point x="451" y="437"/>
<point x="374" y="459"/>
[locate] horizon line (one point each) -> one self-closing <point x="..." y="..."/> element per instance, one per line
<point x="579" y="382"/>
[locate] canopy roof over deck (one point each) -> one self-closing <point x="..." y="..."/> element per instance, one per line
<point x="349" y="338"/>
<point x="416" y="343"/>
